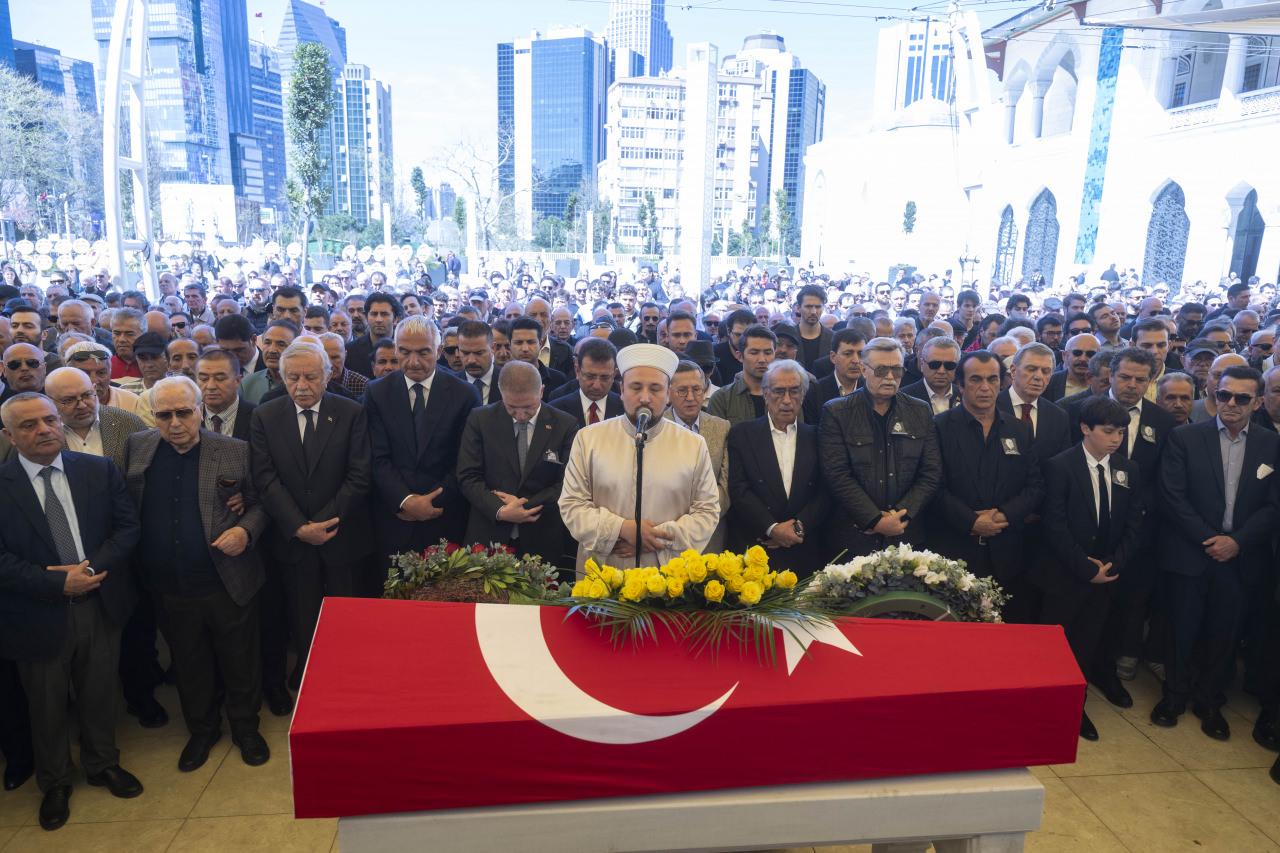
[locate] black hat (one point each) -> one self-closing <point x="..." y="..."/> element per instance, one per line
<point x="702" y="354"/>
<point x="1199" y="345"/>
<point x="149" y="343"/>
<point x="788" y="330"/>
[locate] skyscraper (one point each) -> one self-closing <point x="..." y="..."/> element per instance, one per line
<point x="246" y="147"/>
<point x="641" y="26"/>
<point x="267" y="108"/>
<point x="551" y="112"/>
<point x="363" y="161"/>
<point x="6" y="35"/>
<point x="186" y="93"/>
<point x="913" y="62"/>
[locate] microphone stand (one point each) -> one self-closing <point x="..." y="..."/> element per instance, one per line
<point x="640" y="439"/>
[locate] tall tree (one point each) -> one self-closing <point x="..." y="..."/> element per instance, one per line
<point x="909" y="218"/>
<point x="419" y="185"/>
<point x="654" y="242"/>
<point x="460" y="216"/>
<point x="310" y="108"/>
<point x="786" y="224"/>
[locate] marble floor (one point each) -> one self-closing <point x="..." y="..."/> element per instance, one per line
<point x="1139" y="788"/>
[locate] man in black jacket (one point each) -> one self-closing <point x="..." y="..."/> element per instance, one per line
<point x="777" y="497"/>
<point x="511" y="465"/>
<point x="880" y="455"/>
<point x="382" y="311"/>
<point x="1092" y="531"/>
<point x="69" y="530"/>
<point x="593" y="400"/>
<point x="1219" y="488"/>
<point x="991" y="483"/>
<point x="1024" y="400"/>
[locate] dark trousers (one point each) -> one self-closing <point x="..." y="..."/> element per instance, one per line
<point x="15" y="721"/>
<point x="274" y="620"/>
<point x="1132" y="607"/>
<point x="1204" y="614"/>
<point x="1082" y="610"/>
<point x="140" y="670"/>
<point x="86" y="662"/>
<point x="306" y="584"/>
<point x="211" y="636"/>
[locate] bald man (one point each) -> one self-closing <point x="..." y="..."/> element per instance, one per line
<point x="1206" y="408"/>
<point x="24" y="369"/>
<point x="1073" y="377"/>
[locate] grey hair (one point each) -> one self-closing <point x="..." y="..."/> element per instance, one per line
<point x="687" y="366"/>
<point x="786" y="365"/>
<point x="882" y="344"/>
<point x="76" y="303"/>
<point x="519" y="377"/>
<point x="939" y="342"/>
<point x="21" y="397"/>
<point x="901" y="322"/>
<point x="129" y="314"/>
<point x="1034" y="348"/>
<point x="69" y="338"/>
<point x="333" y="336"/>
<point x="1019" y="332"/>
<point x="418" y="323"/>
<point x="298" y="348"/>
<point x="178" y="381"/>
<point x="1176" y="376"/>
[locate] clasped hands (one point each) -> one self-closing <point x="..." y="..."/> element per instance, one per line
<point x="421" y="507"/>
<point x="784" y="535"/>
<point x="651" y="538"/>
<point x="989" y="522"/>
<point x="514" y="509"/>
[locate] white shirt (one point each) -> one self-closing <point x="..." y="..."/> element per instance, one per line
<point x="784" y="448"/>
<point x="1135" y="416"/>
<point x="426" y="389"/>
<point x="91" y="443"/>
<point x="940" y="402"/>
<point x="228" y="417"/>
<point x="1093" y="479"/>
<point x="1018" y="402"/>
<point x="586" y="407"/>
<point x="483" y="387"/>
<point x="302" y="421"/>
<point x="61" y="489"/>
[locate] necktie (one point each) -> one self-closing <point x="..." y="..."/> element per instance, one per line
<point x="1026" y="413"/>
<point x="216" y="423"/>
<point x="522" y="442"/>
<point x="419" y="401"/>
<point x="479" y="383"/>
<point x="56" y="514"/>
<point x="593" y="414"/>
<point x="1104" y="510"/>
<point x="309" y="435"/>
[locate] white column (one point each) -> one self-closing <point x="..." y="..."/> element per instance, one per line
<point x="1233" y="77"/>
<point x="1038" y="91"/>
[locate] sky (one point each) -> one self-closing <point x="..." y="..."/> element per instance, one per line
<point x="438" y="56"/>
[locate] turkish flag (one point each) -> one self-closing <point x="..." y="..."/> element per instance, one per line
<point x="409" y="706"/>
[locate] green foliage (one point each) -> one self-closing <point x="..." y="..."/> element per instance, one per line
<point x="909" y="218"/>
<point x="788" y="239"/>
<point x="603" y="226"/>
<point x="549" y="233"/>
<point x="494" y="570"/>
<point x="307" y="114"/>
<point x="460" y="214"/>
<point x="419" y="186"/>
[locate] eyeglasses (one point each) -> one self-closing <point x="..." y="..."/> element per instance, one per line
<point x="1219" y="344"/>
<point x="939" y="365"/>
<point x="1083" y="353"/>
<point x="689" y="392"/>
<point x="1227" y="397"/>
<point x="1263" y="347"/>
<point x="896" y="370"/>
<point x="83" y="397"/>
<point x="180" y="414"/>
<point x="19" y="363"/>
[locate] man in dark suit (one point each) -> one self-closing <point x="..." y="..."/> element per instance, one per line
<point x="416" y="419"/>
<point x="199" y="566"/>
<point x="777" y="497"/>
<point x="475" y="347"/>
<point x="381" y="313"/>
<point x="526" y="342"/>
<point x="510" y="467"/>
<point x="1073" y="378"/>
<point x="939" y="358"/>
<point x="1092" y="532"/>
<point x="311" y="470"/>
<point x="65" y="595"/>
<point x="846" y="357"/>
<point x="595" y="367"/>
<point x="223" y="411"/>
<point x="1219" y="489"/>
<point x="991" y="483"/>
<point x="815" y="338"/>
<point x="880" y="457"/>
<point x="732" y="327"/>
<point x="1024" y="400"/>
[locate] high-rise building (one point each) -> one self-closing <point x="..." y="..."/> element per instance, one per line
<point x="246" y="147"/>
<point x="186" y="91"/>
<point x="551" y="112"/>
<point x="641" y="26"/>
<point x="768" y="110"/>
<point x="913" y="62"/>
<point x="70" y="79"/>
<point x="363" y="159"/>
<point x="6" y="35"/>
<point x="267" y="108"/>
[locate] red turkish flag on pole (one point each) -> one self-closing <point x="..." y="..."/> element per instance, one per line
<point x="409" y="706"/>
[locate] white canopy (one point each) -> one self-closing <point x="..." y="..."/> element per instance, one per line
<point x="1257" y="19"/>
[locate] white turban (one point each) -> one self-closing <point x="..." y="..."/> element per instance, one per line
<point x="648" y="355"/>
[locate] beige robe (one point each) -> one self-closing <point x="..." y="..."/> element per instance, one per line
<point x="680" y="491"/>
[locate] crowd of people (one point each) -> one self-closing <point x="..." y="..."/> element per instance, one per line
<point x="208" y="462"/>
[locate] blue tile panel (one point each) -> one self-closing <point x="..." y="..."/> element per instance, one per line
<point x="1095" y="169"/>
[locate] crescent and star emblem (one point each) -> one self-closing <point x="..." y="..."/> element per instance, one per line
<point x="516" y="653"/>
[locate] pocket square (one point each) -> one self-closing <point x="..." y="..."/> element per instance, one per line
<point x="1264" y="470"/>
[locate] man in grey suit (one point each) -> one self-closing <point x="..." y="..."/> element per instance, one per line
<point x="197" y="557"/>
<point x="688" y="393"/>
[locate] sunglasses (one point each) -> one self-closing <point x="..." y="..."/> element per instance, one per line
<point x="450" y="350"/>
<point x="1227" y="397"/>
<point x="180" y="414"/>
<point x="178" y="325"/>
<point x="935" y="365"/>
<point x="896" y="370"/>
<point x="19" y="363"/>
<point x="1084" y="353"/>
<point x="1263" y="347"/>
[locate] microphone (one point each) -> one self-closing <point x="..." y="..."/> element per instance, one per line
<point x="643" y="416"/>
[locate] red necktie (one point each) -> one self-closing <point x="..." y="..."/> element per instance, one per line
<point x="1026" y="413"/>
<point x="593" y="415"/>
